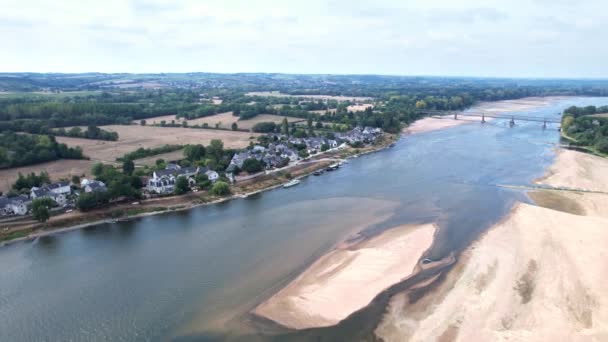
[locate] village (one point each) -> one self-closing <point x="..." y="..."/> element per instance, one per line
<point x="272" y="152"/>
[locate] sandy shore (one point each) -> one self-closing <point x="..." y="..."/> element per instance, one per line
<point x="536" y="276"/>
<point x="506" y="106"/>
<point x="433" y="124"/>
<point x="348" y="278"/>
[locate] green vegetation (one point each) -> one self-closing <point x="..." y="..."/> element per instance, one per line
<point x="181" y="185"/>
<point x="121" y="186"/>
<point x="147" y="152"/>
<point x="264" y="127"/>
<point x="220" y="188"/>
<point x="31" y="180"/>
<point x="92" y="132"/>
<point x="25" y="149"/>
<point x="252" y="165"/>
<point x="41" y="207"/>
<point x="585" y="130"/>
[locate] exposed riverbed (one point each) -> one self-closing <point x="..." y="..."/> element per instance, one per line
<point x="198" y="274"/>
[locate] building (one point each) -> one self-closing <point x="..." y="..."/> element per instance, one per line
<point x="3" y="205"/>
<point x="19" y="205"/>
<point x="95" y="186"/>
<point x="163" y="181"/>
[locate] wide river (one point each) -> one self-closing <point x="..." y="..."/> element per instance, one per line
<point x="195" y="275"/>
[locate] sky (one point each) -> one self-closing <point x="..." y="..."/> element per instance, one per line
<point x="533" y="38"/>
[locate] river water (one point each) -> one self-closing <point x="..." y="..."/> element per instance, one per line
<point x="194" y="275"/>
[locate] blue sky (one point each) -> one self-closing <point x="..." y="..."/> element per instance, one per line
<point x="534" y="38"/>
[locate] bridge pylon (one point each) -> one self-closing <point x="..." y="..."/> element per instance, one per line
<point x="455" y="116"/>
<point x="483" y="118"/>
<point x="545" y="124"/>
<point x="512" y="122"/>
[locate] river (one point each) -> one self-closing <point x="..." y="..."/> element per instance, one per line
<point x="196" y="274"/>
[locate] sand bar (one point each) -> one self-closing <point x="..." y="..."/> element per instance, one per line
<point x="537" y="276"/>
<point x="348" y="278"/>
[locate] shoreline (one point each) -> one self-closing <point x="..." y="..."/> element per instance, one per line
<point x="534" y="275"/>
<point x="348" y="278"/>
<point x="185" y="202"/>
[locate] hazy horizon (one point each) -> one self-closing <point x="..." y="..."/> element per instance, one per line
<point x="521" y="39"/>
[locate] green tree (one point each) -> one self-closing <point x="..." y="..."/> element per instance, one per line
<point x="252" y="165"/>
<point x="216" y="149"/>
<point x="142" y="122"/>
<point x="220" y="189"/>
<point x="309" y="122"/>
<point x="234" y="126"/>
<point x="181" y="185"/>
<point x="194" y="152"/>
<point x="285" y="126"/>
<point x="97" y="169"/>
<point x="40" y="208"/>
<point x="128" y="167"/>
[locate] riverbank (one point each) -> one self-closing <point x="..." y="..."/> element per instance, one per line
<point x="535" y="276"/>
<point x="27" y="229"/>
<point x="348" y="278"/>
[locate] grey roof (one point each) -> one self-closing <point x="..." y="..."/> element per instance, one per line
<point x="97" y="186"/>
<point x="165" y="172"/>
<point x="41" y="192"/>
<point x="3" y="201"/>
<point x="58" y="185"/>
<point x="19" y="199"/>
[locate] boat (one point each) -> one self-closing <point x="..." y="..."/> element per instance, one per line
<point x="318" y="172"/>
<point x="291" y="183"/>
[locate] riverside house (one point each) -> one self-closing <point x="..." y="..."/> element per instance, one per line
<point x="163" y="181"/>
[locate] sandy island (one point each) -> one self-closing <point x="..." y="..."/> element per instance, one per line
<point x="540" y="275"/>
<point x="348" y="278"/>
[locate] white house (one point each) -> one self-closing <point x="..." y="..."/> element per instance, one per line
<point x="3" y="205"/>
<point x="19" y="205"/>
<point x="60" y="188"/>
<point x="163" y="181"/>
<point x="45" y="192"/>
<point x="212" y="175"/>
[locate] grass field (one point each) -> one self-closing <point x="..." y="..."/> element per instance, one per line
<point x="56" y="169"/>
<point x="135" y="136"/>
<point x="224" y="119"/>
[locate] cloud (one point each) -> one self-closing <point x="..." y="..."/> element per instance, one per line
<point x="317" y="36"/>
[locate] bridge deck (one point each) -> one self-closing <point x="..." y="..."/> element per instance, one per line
<point x="515" y="117"/>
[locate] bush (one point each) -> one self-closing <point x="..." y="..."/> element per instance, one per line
<point x="220" y="189"/>
<point x="602" y="145"/>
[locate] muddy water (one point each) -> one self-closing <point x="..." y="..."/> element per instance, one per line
<point x="194" y="275"/>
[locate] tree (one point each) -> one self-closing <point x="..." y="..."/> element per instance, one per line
<point x="252" y="165"/>
<point x="181" y="185"/>
<point x="194" y="152"/>
<point x="97" y="169"/>
<point x="216" y="149"/>
<point x="40" y="208"/>
<point x="234" y="126"/>
<point x="420" y="104"/>
<point x="220" y="189"/>
<point x="264" y="127"/>
<point x="324" y="147"/>
<point x="285" y="126"/>
<point x="128" y="167"/>
<point x="142" y="122"/>
<point x="319" y="125"/>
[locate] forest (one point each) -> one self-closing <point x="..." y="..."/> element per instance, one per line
<point x="24" y="149"/>
<point x="586" y="130"/>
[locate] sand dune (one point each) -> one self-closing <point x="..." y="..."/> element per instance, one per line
<point x="348" y="278"/>
<point x="433" y="124"/>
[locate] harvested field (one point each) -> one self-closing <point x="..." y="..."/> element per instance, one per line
<point x="65" y="168"/>
<point x="134" y="137"/>
<point x="224" y="119"/>
<point x="169" y="156"/>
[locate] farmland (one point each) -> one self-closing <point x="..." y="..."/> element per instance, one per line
<point x="224" y="119"/>
<point x="133" y="137"/>
<point x="316" y="97"/>
<point x="63" y="168"/>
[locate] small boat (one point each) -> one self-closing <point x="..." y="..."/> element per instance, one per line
<point x="318" y="172"/>
<point x="291" y="183"/>
<point x="111" y="221"/>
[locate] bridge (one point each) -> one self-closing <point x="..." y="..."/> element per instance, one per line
<point x="484" y="115"/>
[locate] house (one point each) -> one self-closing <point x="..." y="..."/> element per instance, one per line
<point x="95" y="186"/>
<point x="212" y="175"/>
<point x="19" y="205"/>
<point x="60" y="188"/>
<point x="45" y="192"/>
<point x="3" y="205"/>
<point x="163" y="181"/>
